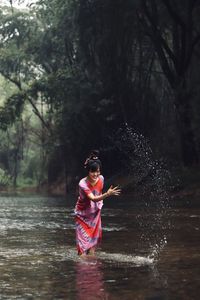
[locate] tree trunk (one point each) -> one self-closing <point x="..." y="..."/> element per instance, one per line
<point x="16" y="165"/>
<point x="187" y="139"/>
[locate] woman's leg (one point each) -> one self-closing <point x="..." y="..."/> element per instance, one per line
<point x="91" y="251"/>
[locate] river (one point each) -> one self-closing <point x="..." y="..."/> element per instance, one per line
<point x="38" y="258"/>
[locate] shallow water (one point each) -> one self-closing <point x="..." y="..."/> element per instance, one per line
<point x="38" y="259"/>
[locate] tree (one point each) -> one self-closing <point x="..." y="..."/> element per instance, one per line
<point x="174" y="30"/>
<point x="19" y="68"/>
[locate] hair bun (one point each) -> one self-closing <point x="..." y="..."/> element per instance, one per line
<point x="94" y="155"/>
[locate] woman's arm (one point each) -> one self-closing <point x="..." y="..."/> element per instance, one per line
<point x="110" y="192"/>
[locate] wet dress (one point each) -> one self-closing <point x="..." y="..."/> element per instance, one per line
<point x="88" y="215"/>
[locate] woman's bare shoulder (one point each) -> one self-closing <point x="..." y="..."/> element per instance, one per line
<point x="101" y="177"/>
<point x="83" y="182"/>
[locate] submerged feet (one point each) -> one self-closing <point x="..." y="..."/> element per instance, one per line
<point x="88" y="253"/>
<point x="91" y="252"/>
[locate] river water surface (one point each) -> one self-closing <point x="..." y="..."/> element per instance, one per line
<point x="38" y="258"/>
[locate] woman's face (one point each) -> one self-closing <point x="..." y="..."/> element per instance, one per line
<point x="94" y="175"/>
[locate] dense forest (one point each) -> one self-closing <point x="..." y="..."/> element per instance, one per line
<point x="74" y="73"/>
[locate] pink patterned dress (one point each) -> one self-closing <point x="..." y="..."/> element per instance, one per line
<point x="88" y="215"/>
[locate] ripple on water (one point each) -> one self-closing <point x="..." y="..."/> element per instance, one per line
<point x="65" y="254"/>
<point x="70" y="254"/>
<point x="28" y="225"/>
<point x="115" y="228"/>
<point x="124" y="259"/>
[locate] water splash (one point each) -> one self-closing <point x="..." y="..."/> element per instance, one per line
<point x="157" y="248"/>
<point x="120" y="258"/>
<point x="151" y="180"/>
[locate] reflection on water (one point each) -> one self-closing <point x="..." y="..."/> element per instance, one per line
<point x="89" y="280"/>
<point x="38" y="258"/>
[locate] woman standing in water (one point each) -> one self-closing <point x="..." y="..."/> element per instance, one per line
<point x="89" y="205"/>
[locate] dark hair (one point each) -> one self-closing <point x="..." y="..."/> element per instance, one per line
<point x="93" y="163"/>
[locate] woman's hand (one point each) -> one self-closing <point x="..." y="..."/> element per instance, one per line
<point x="113" y="191"/>
<point x="110" y="192"/>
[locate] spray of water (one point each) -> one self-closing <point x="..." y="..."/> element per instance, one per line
<point x="150" y="180"/>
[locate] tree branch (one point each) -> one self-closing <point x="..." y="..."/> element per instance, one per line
<point x="36" y="111"/>
<point x="15" y="81"/>
<point x="191" y="50"/>
<point x="156" y="34"/>
<point x="160" y="44"/>
<point x="173" y="13"/>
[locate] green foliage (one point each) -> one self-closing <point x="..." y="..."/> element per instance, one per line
<point x="5" y="179"/>
<point x="11" y="110"/>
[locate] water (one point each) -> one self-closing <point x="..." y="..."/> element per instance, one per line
<point x="38" y="259"/>
<point x="151" y="179"/>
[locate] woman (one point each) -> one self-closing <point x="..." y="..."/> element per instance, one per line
<point x="89" y="204"/>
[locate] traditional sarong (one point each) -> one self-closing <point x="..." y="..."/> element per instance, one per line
<point x="88" y="216"/>
<point x="88" y="231"/>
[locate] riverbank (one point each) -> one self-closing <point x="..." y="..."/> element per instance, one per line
<point x="185" y="183"/>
